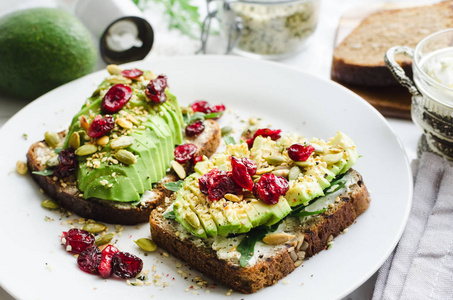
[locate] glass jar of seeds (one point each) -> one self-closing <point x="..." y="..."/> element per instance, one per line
<point x="270" y="29"/>
<point x="432" y="101"/>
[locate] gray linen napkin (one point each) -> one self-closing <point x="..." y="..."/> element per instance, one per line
<point x="421" y="266"/>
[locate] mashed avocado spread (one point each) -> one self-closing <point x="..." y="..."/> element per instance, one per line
<point x="125" y="162"/>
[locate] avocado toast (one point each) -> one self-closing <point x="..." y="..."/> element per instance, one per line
<point x="247" y="238"/>
<point x="113" y="161"/>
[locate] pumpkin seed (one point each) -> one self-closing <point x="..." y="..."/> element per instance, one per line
<point x="84" y="123"/>
<point x="277" y="238"/>
<point x="332" y="158"/>
<point x="178" y="169"/>
<point x="124" y="123"/>
<point x="126" y="157"/>
<point x="294" y="173"/>
<point x="149" y="75"/>
<point x="74" y="140"/>
<point x="282" y="172"/>
<point x="102" y="141"/>
<point x="264" y="170"/>
<point x="146" y="244"/>
<point x="233" y="197"/>
<point x="21" y="167"/>
<point x="94" y="227"/>
<point x="275" y="160"/>
<point x="104" y="239"/>
<point x="122" y="142"/>
<point x="192" y="219"/>
<point x="52" y="139"/>
<point x="86" y="150"/>
<point x="252" y="121"/>
<point x="186" y="110"/>
<point x="49" y="204"/>
<point x="117" y="79"/>
<point x="226" y="130"/>
<point x="131" y="118"/>
<point x="303" y="164"/>
<point x="53" y="161"/>
<point x="114" y="69"/>
<point x="318" y="148"/>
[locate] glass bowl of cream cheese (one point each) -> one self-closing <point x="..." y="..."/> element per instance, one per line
<point x="269" y="29"/>
<point x="431" y="89"/>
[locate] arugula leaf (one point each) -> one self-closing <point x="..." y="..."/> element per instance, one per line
<point x="213" y="115"/>
<point x="309" y="213"/>
<point x="339" y="185"/>
<point x="57" y="150"/>
<point x="196" y="116"/>
<point x="247" y="246"/>
<point x="173" y="186"/>
<point x="45" y="172"/>
<point x="169" y="215"/>
<point x="229" y="140"/>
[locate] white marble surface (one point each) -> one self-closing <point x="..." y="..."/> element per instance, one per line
<point x="316" y="59"/>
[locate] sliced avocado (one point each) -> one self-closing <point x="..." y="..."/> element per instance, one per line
<point x="144" y="164"/>
<point x="150" y="137"/>
<point x="147" y="140"/>
<point x="87" y="175"/>
<point x="219" y="219"/>
<point x="338" y="167"/>
<point x="182" y="211"/>
<point x="169" y="120"/>
<point x="303" y="191"/>
<point x="158" y="125"/>
<point x="279" y="210"/>
<point x="258" y="213"/>
<point x="178" y="124"/>
<point x="240" y="210"/>
<point x="206" y="220"/>
<point x="122" y="190"/>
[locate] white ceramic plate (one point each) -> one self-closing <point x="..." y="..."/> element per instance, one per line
<point x="33" y="264"/>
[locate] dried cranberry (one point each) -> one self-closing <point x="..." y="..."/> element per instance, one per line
<point x="201" y="106"/>
<point x="270" y="187"/>
<point x="217" y="183"/>
<point x="240" y="174"/>
<point x="298" y="152"/>
<point x="67" y="163"/>
<point x="265" y="132"/>
<point x="250" y="165"/>
<point x="204" y="107"/>
<point x="114" y="100"/>
<point x="88" y="261"/>
<point x="77" y="240"/>
<point x="126" y="265"/>
<point x="184" y="153"/>
<point x="196" y="159"/>
<point x="132" y="73"/>
<point x="156" y="89"/>
<point x="101" y="126"/>
<point x="217" y="108"/>
<point x="105" y="265"/>
<point x="195" y="128"/>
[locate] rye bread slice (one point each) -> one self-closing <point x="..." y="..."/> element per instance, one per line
<point x="311" y="237"/>
<point x="359" y="58"/>
<point x="66" y="193"/>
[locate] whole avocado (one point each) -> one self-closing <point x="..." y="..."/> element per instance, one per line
<point x="41" y="49"/>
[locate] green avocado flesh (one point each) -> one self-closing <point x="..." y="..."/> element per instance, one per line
<point x="205" y="218"/>
<point x="156" y="129"/>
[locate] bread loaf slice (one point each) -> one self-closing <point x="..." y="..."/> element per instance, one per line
<point x="311" y="235"/>
<point x="359" y="58"/>
<point x="66" y="193"/>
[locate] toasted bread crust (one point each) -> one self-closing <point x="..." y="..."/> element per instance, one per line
<point x="359" y="58"/>
<point x="270" y="270"/>
<point x="111" y="211"/>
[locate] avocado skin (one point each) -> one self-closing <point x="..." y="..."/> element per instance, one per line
<point x="41" y="49"/>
